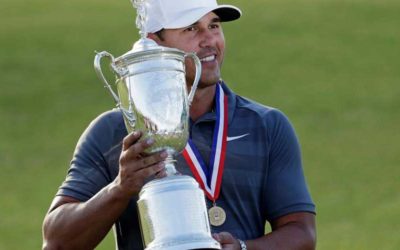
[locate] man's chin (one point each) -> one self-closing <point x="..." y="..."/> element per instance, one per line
<point x="210" y="79"/>
<point x="204" y="81"/>
<point x="206" y="84"/>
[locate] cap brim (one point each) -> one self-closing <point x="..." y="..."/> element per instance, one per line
<point x="225" y="12"/>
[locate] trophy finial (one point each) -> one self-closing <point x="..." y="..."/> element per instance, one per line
<point x="140" y="6"/>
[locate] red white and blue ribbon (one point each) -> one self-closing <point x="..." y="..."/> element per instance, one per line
<point x="210" y="178"/>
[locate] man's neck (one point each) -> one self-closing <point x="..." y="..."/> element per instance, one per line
<point x="203" y="101"/>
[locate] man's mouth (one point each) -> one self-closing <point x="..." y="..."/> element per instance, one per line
<point x="208" y="58"/>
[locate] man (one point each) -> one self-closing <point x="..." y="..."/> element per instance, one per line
<point x="261" y="173"/>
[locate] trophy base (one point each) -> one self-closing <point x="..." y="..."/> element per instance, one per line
<point x="205" y="244"/>
<point x="173" y="215"/>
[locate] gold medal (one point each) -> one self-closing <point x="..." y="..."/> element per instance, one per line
<point x="217" y="216"/>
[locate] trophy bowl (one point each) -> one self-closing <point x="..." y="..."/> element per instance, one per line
<point x="152" y="94"/>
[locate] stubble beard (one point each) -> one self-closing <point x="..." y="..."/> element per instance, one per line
<point x="207" y="79"/>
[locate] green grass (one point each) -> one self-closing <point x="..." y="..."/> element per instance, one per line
<point x="331" y="65"/>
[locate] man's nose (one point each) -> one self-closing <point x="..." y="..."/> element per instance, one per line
<point x="207" y="38"/>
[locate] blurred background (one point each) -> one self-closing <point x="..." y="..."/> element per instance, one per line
<point x="331" y="65"/>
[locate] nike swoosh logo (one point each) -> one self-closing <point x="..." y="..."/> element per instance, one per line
<point x="232" y="138"/>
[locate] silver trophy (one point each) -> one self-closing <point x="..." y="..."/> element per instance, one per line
<point x="152" y="97"/>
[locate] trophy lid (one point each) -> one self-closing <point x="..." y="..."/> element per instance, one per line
<point x="145" y="49"/>
<point x="144" y="44"/>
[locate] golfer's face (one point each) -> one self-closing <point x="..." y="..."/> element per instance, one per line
<point x="206" y="39"/>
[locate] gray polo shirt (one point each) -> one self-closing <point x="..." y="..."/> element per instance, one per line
<point x="262" y="180"/>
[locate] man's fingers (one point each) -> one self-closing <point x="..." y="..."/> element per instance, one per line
<point x="161" y="174"/>
<point x="131" y="139"/>
<point x="135" y="150"/>
<point x="224" y="238"/>
<point x="153" y="159"/>
<point x="136" y="166"/>
<point x="151" y="170"/>
<point x="136" y="163"/>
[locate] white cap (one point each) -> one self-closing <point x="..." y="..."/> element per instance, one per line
<point x="175" y="14"/>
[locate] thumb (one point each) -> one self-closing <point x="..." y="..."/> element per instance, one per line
<point x="224" y="238"/>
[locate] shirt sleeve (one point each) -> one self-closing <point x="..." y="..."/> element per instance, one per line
<point x="92" y="166"/>
<point x="286" y="188"/>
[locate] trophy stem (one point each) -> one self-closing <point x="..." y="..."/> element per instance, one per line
<point x="170" y="165"/>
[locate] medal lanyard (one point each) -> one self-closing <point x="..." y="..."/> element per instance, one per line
<point x="210" y="178"/>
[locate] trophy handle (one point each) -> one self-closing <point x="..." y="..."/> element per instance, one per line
<point x="99" y="72"/>
<point x="197" y="63"/>
<point x="128" y="113"/>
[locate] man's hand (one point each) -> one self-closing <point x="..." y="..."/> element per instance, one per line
<point x="65" y="225"/>
<point x="227" y="241"/>
<point x="135" y="166"/>
<point x="292" y="231"/>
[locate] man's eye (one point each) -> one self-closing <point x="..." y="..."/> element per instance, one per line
<point x="214" y="26"/>
<point x="191" y="28"/>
